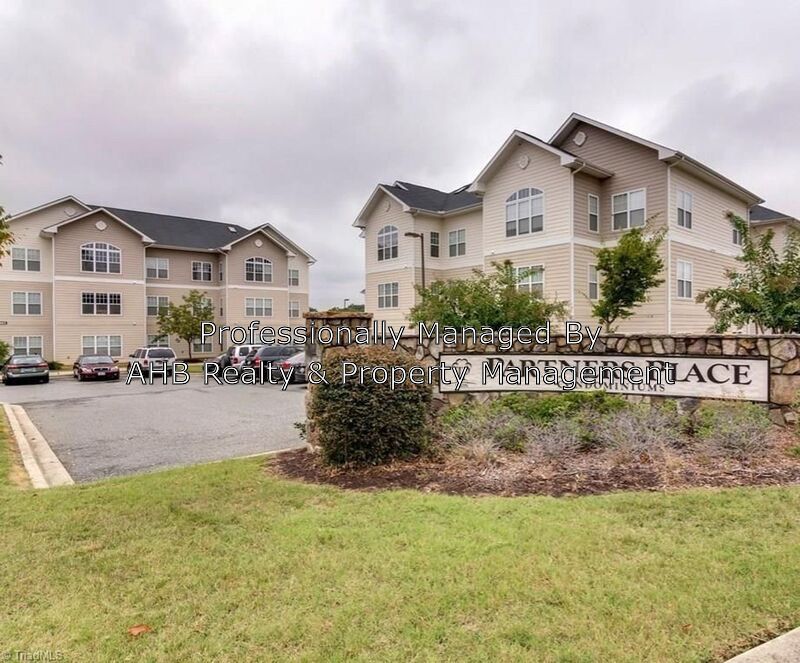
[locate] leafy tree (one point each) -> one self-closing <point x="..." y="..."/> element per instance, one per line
<point x="5" y="352"/>
<point x="492" y="300"/>
<point x="765" y="291"/>
<point x="6" y="236"/>
<point x="629" y="270"/>
<point x="185" y="320"/>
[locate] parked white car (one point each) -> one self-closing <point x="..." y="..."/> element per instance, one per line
<point x="152" y="358"/>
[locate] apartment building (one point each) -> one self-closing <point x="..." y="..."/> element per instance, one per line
<point x="548" y="206"/>
<point x="85" y="278"/>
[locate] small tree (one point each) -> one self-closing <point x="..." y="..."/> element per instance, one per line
<point x="492" y="300"/>
<point x="765" y="291"/>
<point x="629" y="270"/>
<point x="185" y="320"/>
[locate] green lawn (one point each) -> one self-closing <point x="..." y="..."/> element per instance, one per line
<point x="224" y="561"/>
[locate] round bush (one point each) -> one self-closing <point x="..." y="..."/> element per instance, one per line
<point x="368" y="423"/>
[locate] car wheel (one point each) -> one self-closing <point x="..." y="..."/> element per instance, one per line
<point x="116" y="377"/>
<point x="46" y="379"/>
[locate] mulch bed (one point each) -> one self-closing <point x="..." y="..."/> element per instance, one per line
<point x="516" y="474"/>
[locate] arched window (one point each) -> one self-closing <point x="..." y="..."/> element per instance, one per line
<point x="387" y="243"/>
<point x="258" y="269"/>
<point x="101" y="258"/>
<point x="524" y="212"/>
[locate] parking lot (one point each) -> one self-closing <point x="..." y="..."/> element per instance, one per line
<point x="104" y="429"/>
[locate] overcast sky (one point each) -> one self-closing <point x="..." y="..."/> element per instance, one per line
<point x="291" y="112"/>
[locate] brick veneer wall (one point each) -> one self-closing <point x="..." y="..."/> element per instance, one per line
<point x="783" y="353"/>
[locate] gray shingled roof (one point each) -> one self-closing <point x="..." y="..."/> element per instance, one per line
<point x="761" y="213"/>
<point x="432" y="200"/>
<point x="179" y="230"/>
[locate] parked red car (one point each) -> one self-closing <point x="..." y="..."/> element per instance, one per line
<point x="95" y="367"/>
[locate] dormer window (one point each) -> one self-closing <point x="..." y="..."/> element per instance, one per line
<point x="387" y="243"/>
<point x="524" y="212"/>
<point x="258" y="269"/>
<point x="100" y="258"/>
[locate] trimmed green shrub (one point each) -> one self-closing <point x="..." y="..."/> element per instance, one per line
<point x="368" y="423"/>
<point x="547" y="408"/>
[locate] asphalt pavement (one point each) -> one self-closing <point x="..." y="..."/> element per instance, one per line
<point x="105" y="429"/>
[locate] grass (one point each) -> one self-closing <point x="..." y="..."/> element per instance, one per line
<point x="222" y="560"/>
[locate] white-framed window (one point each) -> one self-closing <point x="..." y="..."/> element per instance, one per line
<point x="157" y="341"/>
<point x="221" y="272"/>
<point x="684" y="279"/>
<point x="389" y="295"/>
<point x="531" y="279"/>
<point x="198" y="346"/>
<point x="26" y="303"/>
<point x="457" y="240"/>
<point x="594" y="283"/>
<point x="628" y="209"/>
<point x="594" y="213"/>
<point x="27" y="345"/>
<point x="201" y="271"/>
<point x="101" y="258"/>
<point x="101" y="303"/>
<point x="685" y="204"/>
<point x="737" y="237"/>
<point x="156" y="304"/>
<point x="525" y="212"/>
<point x="434" y="244"/>
<point x="258" y="307"/>
<point x="258" y="269"/>
<point x="387" y="243"/>
<point x="294" y="277"/>
<point x="26" y="260"/>
<point x="157" y="268"/>
<point x="102" y="344"/>
<point x="294" y="309"/>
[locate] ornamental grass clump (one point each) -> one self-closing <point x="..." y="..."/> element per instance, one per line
<point x="738" y="430"/>
<point x="367" y="422"/>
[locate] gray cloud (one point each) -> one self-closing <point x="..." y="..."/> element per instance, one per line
<point x="292" y="112"/>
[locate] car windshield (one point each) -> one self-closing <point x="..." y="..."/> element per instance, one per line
<point x="161" y="353"/>
<point x="25" y="360"/>
<point x="97" y="359"/>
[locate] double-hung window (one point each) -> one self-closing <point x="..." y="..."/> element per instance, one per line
<point x="27" y="345"/>
<point x="388" y="295"/>
<point x="434" y="244"/>
<point x="594" y="213"/>
<point x="531" y="279"/>
<point x="101" y="303"/>
<point x="257" y="307"/>
<point x="294" y="277"/>
<point x="594" y="283"/>
<point x="685" y="203"/>
<point x="157" y="341"/>
<point x="258" y="270"/>
<point x="156" y="304"/>
<point x="26" y="260"/>
<point x="201" y="271"/>
<point x="628" y="209"/>
<point x="524" y="212"/>
<point x="157" y="268"/>
<point x="102" y="344"/>
<point x="26" y="303"/>
<point x="294" y="309"/>
<point x="737" y="236"/>
<point x="457" y="239"/>
<point x="684" y="279"/>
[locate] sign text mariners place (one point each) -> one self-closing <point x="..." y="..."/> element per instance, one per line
<point x="739" y="378"/>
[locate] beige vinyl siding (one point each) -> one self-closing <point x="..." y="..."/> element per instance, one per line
<point x="584" y="256"/>
<point x="247" y="248"/>
<point x="235" y="313"/>
<point x="70" y="238"/>
<point x="634" y="166"/>
<point x="407" y="247"/>
<point x="544" y="172"/>
<point x="708" y="271"/>
<point x="583" y="185"/>
<point x="180" y="266"/>
<point x="710" y="225"/>
<point x="554" y="259"/>
<point x="71" y="324"/>
<point x="27" y="325"/>
<point x="300" y="263"/>
<point x="406" y="295"/>
<point x="780" y="231"/>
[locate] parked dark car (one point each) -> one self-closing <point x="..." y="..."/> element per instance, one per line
<point x="236" y="354"/>
<point x="95" y="367"/>
<point x="268" y="354"/>
<point x="298" y="361"/>
<point x="25" y="367"/>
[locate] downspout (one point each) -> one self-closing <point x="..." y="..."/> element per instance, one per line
<point x="669" y="249"/>
<point x="572" y="238"/>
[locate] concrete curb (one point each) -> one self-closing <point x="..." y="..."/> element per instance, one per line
<point x="783" y="649"/>
<point x="42" y="465"/>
